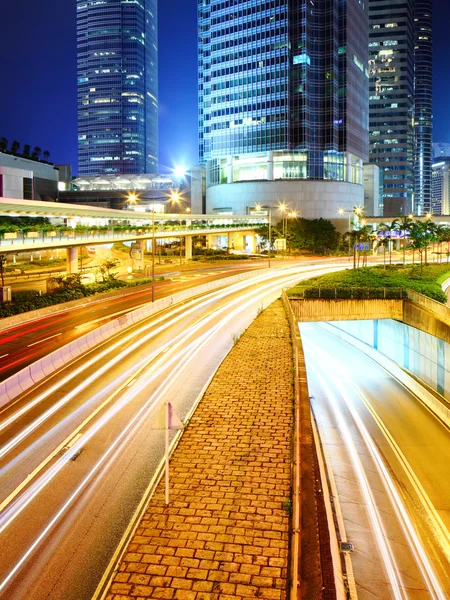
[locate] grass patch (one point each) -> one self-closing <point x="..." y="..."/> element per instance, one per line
<point x="377" y="277"/>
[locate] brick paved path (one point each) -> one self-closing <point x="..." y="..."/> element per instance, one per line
<point x="225" y="534"/>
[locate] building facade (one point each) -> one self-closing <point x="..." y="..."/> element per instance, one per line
<point x="400" y="60"/>
<point x="283" y="89"/>
<point x="441" y="187"/>
<point x="26" y="179"/>
<point x="117" y="87"/>
<point x="423" y="105"/>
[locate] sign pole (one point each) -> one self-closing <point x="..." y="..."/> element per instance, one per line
<point x="167" y="453"/>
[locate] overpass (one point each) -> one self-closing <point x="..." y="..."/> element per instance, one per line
<point x="122" y="226"/>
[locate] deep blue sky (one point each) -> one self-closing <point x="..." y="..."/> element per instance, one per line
<point x="38" y="78"/>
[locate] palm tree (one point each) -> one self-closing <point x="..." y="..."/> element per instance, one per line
<point x="403" y="225"/>
<point x="26" y="150"/>
<point x="388" y="229"/>
<point x="36" y="152"/>
<point x="420" y="238"/>
<point x="15" y="147"/>
<point x="46" y="155"/>
<point x="445" y="237"/>
<point x="3" y="144"/>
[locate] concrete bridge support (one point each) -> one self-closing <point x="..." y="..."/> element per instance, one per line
<point x="188" y="247"/>
<point x="72" y="260"/>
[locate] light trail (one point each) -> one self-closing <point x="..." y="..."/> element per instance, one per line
<point x="184" y="310"/>
<point x="391" y="567"/>
<point x="341" y="379"/>
<point x="169" y="346"/>
<point x="180" y="362"/>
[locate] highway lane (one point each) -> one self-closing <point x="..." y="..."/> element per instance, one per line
<point x="23" y="344"/>
<point x="390" y="458"/>
<point x="60" y="527"/>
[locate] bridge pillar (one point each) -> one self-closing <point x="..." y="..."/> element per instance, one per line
<point x="210" y="240"/>
<point x="72" y="260"/>
<point x="188" y="247"/>
<point x="229" y="241"/>
<point x="238" y="241"/>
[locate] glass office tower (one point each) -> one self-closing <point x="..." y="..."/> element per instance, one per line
<point x="117" y="87"/>
<point x="423" y="110"/>
<point x="400" y="54"/>
<point x="283" y="90"/>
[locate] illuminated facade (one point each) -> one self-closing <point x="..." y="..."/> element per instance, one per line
<point x="441" y="187"/>
<point x="423" y="110"/>
<point x="117" y="87"/>
<point x="283" y="91"/>
<point x="400" y="61"/>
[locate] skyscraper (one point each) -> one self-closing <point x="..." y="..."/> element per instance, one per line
<point x="400" y="58"/>
<point x="283" y="89"/>
<point x="423" y="111"/>
<point x="117" y="86"/>
<point x="391" y="59"/>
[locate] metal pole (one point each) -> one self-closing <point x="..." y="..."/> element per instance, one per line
<point x="153" y="249"/>
<point x="349" y="232"/>
<point x="167" y="453"/>
<point x="181" y="240"/>
<point x="270" y="233"/>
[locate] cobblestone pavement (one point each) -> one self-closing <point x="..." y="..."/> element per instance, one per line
<point x="225" y="534"/>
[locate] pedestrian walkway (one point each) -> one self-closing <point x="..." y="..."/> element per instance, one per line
<point x="225" y="534"/>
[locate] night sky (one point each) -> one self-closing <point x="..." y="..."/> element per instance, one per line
<point x="38" y="102"/>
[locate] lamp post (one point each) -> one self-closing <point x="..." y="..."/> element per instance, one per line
<point x="283" y="208"/>
<point x="258" y="207"/>
<point x="357" y="210"/>
<point x="175" y="198"/>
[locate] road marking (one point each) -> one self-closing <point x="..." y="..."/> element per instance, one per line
<point x="44" y="340"/>
<point x="3" y="355"/>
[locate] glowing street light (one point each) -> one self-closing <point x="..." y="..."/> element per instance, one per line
<point x="179" y="171"/>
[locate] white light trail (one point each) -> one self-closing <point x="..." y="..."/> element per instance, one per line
<point x="180" y="361"/>
<point x="341" y="380"/>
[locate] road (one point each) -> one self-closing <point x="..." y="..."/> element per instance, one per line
<point x="390" y="458"/>
<point x="26" y="343"/>
<point x="77" y="452"/>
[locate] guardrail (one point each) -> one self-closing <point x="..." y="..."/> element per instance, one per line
<point x="350" y="293"/>
<point x="433" y="306"/>
<point x="39" y="370"/>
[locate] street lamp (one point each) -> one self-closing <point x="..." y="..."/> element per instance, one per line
<point x="357" y="210"/>
<point x="283" y="208"/>
<point x="176" y="199"/>
<point x="258" y="207"/>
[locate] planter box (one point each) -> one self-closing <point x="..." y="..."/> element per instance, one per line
<point x="32" y="234"/>
<point x="50" y="234"/>
<point x="10" y="235"/>
<point x="68" y="234"/>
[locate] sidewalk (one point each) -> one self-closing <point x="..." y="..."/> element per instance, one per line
<point x="225" y="534"/>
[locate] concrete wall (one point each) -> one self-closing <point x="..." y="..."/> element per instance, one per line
<point x="422" y="354"/>
<point x="342" y="310"/>
<point x="14" y="169"/>
<point x="13" y="181"/>
<point x="311" y="199"/>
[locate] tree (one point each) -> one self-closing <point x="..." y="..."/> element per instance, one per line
<point x="105" y="269"/>
<point x="26" y="151"/>
<point x="316" y="235"/>
<point x="2" y="263"/>
<point x="420" y="239"/>
<point x="388" y="229"/>
<point x="3" y="144"/>
<point x="15" y="147"/>
<point x="46" y="155"/>
<point x="403" y="225"/>
<point x="36" y="153"/>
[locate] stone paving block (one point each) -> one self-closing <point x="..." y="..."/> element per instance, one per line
<point x="225" y="534"/>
